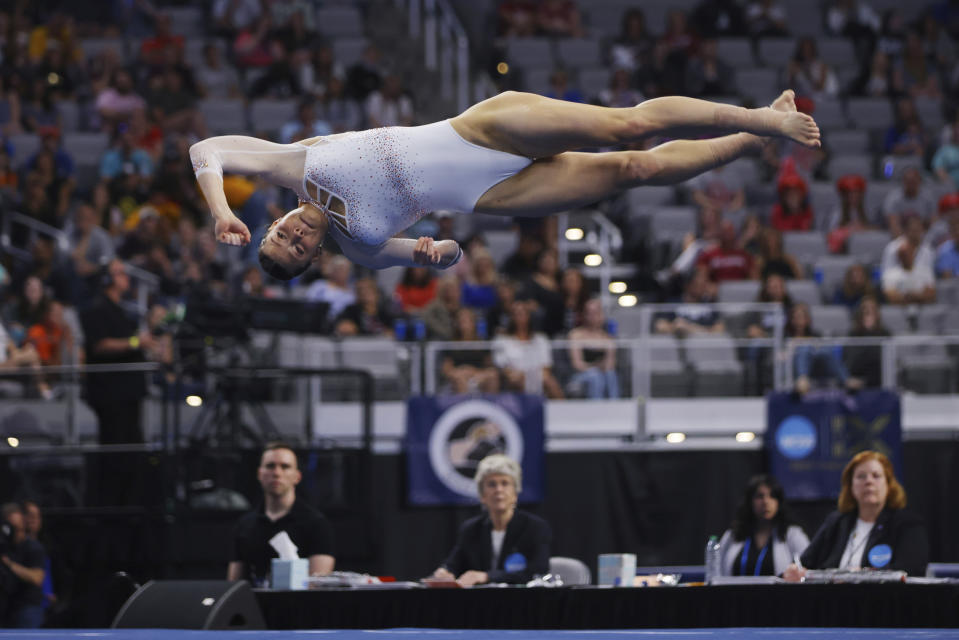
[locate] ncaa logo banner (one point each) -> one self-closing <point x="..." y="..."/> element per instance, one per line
<point x="809" y="440"/>
<point x="447" y="436"/>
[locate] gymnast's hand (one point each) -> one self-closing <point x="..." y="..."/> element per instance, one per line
<point x="426" y="252"/>
<point x="231" y="230"/>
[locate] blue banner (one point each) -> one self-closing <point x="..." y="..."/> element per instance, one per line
<point x="809" y="440"/>
<point x="447" y="436"/>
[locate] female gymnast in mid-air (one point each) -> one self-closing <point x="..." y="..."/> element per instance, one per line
<point x="511" y="154"/>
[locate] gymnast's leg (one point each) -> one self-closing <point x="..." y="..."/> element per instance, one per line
<point x="537" y="127"/>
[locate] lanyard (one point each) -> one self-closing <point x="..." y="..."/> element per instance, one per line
<point x="745" y="555"/>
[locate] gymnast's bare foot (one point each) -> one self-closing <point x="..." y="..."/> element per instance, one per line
<point x="796" y="126"/>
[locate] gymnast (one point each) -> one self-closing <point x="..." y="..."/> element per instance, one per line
<point x="512" y="154"/>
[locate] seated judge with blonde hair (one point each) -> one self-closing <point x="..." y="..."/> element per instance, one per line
<point x="503" y="544"/>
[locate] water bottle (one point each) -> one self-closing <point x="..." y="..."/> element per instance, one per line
<point x="713" y="560"/>
<point x="399" y="329"/>
<point x="481" y="329"/>
<point x="419" y="330"/>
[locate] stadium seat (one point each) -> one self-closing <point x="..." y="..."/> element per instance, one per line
<point x="869" y="113"/>
<point x="270" y="115"/>
<point x="339" y="21"/>
<point x="738" y="291"/>
<point x="669" y="377"/>
<point x="718" y="371"/>
<point x="528" y="53"/>
<point x="86" y="148"/>
<point x="932" y="318"/>
<point x="876" y="192"/>
<point x="806" y="291"/>
<point x="806" y="246"/>
<point x="868" y="246"/>
<point x="536" y="80"/>
<point x="349" y="51"/>
<point x="823" y="199"/>
<point x="775" y="53"/>
<point x="846" y="141"/>
<point x="24" y="146"/>
<point x="841" y="165"/>
<point x="628" y="321"/>
<point x="672" y="220"/>
<point x="837" y="51"/>
<point x="947" y="293"/>
<point x="831" y="118"/>
<point x="570" y="570"/>
<point x="831" y="320"/>
<point x="501" y="244"/>
<point x="736" y="52"/>
<point x="579" y="53"/>
<point x="930" y="113"/>
<point x="761" y="85"/>
<point x="644" y="198"/>
<point x="224" y="115"/>
<point x="592" y="81"/>
<point x="895" y="319"/>
<point x="69" y="113"/>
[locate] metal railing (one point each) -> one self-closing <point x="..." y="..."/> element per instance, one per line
<point x="445" y="46"/>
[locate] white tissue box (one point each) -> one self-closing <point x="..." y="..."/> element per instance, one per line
<point x="617" y="569"/>
<point x="291" y="574"/>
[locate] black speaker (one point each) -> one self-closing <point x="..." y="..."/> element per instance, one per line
<point x="191" y="604"/>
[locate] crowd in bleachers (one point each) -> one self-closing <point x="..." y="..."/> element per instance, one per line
<point x="98" y="109"/>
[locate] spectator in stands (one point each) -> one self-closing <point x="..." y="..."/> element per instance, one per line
<point x="721" y="188"/>
<point x="280" y="510"/>
<point x="91" y="247"/>
<point x="945" y="163"/>
<point x="305" y="125"/>
<point x="572" y="285"/>
<point x="543" y="288"/>
<point x="389" y="106"/>
<point x="726" y="261"/>
<point x="125" y="162"/>
<point x="849" y="216"/>
<point x="25" y="559"/>
<point x="232" y="16"/>
<point x="336" y="288"/>
<point x="294" y="21"/>
<point x="524" y="356"/>
<point x="877" y="79"/>
<point x="9" y="180"/>
<point x="29" y="306"/>
<point x="856" y="285"/>
<point x="560" y="89"/>
<point x="706" y="74"/>
<point x="592" y="353"/>
<point x="52" y="337"/>
<point x="919" y="72"/>
<point x="809" y="360"/>
<point x="763" y="325"/>
<point x="439" y="315"/>
<point x="416" y="289"/>
<point x="47" y="264"/>
<point x="675" y="48"/>
<point x="173" y="106"/>
<point x="50" y="143"/>
<point x="366" y="76"/>
<point x="479" y="286"/>
<point x="856" y="20"/>
<point x="368" y="316"/>
<point x="782" y="156"/>
<point x="633" y="50"/>
<point x="620" y="92"/>
<point x="253" y="49"/>
<point x="18" y="354"/>
<point x="517" y="18"/>
<point x="33" y="528"/>
<point x="793" y="211"/>
<point x="280" y="79"/>
<point x="39" y="109"/>
<point x="118" y="101"/>
<point x="871" y="528"/>
<point x="515" y="543"/>
<point x="108" y="214"/>
<point x="763" y="538"/>
<point x="153" y="49"/>
<point x="809" y="76"/>
<point x="522" y="262"/>
<point x="112" y="338"/>
<point x="719" y="19"/>
<point x="773" y="259"/>
<point x="469" y="370"/>
<point x="947" y="257"/>
<point x="59" y="189"/>
<point x="864" y="362"/>
<point x="9" y="109"/>
<point x="937" y="44"/>
<point x="907" y="267"/>
<point x="325" y="68"/>
<point x="912" y="198"/>
<point x="696" y="314"/>
<point x="559" y="19"/>
<point x="340" y="111"/>
<point x="766" y="18"/>
<point x="906" y="136"/>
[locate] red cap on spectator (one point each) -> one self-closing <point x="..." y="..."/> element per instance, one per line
<point x="851" y="182"/>
<point x="948" y="202"/>
<point x="49" y="130"/>
<point x="791" y="181"/>
<point x="805" y="105"/>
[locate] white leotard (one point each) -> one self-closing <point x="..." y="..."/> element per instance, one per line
<point x="391" y="177"/>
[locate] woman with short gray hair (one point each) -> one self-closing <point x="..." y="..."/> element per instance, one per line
<point x="503" y="544"/>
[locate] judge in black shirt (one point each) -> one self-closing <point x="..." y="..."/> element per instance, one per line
<point x="21" y="574"/>
<point x="503" y="544"/>
<point x="112" y="337"/>
<point x="280" y="511"/>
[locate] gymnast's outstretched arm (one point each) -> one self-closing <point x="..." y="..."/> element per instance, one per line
<point x="280" y="164"/>
<point x="403" y="252"/>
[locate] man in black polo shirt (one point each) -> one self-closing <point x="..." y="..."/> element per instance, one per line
<point x="280" y="511"/>
<point x="21" y="573"/>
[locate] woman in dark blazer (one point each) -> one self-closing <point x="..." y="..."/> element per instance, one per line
<point x="503" y="544"/>
<point x="871" y="529"/>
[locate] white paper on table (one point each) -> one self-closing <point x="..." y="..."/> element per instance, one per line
<point x="284" y="546"/>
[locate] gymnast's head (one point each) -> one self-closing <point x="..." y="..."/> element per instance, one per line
<point x="293" y="243"/>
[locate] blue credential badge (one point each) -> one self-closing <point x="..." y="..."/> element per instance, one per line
<point x="514" y="562"/>
<point x="880" y="555"/>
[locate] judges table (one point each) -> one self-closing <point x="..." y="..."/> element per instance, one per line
<point x="786" y="605"/>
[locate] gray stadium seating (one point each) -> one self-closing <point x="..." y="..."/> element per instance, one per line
<point x="718" y="371"/>
<point x="570" y="570"/>
<point x="738" y="291"/>
<point x="831" y="320"/>
<point x="841" y="165"/>
<point x="736" y="52"/>
<point x="868" y="245"/>
<point x="501" y="244"/>
<point x="528" y="53"/>
<point x="270" y="115"/>
<point x="348" y="51"/>
<point x="592" y="81"/>
<point x="669" y="377"/>
<point x="823" y="198"/>
<point x="846" y="141"/>
<point x="869" y="113"/>
<point x="86" y="148"/>
<point x="776" y="53"/>
<point x="831" y="119"/>
<point x="829" y="272"/>
<point x="69" y="113"/>
<point x="628" y="321"/>
<point x="671" y="220"/>
<point x="806" y="246"/>
<point x="339" y="21"/>
<point x="643" y="198"/>
<point x="579" y="53"/>
<point x="536" y="80"/>
<point x="806" y="291"/>
<point x="224" y="115"/>
<point x="895" y="318"/>
<point x="761" y="85"/>
<point x="24" y="146"/>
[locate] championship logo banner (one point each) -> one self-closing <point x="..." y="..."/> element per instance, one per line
<point x="447" y="436"/>
<point x="809" y="440"/>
